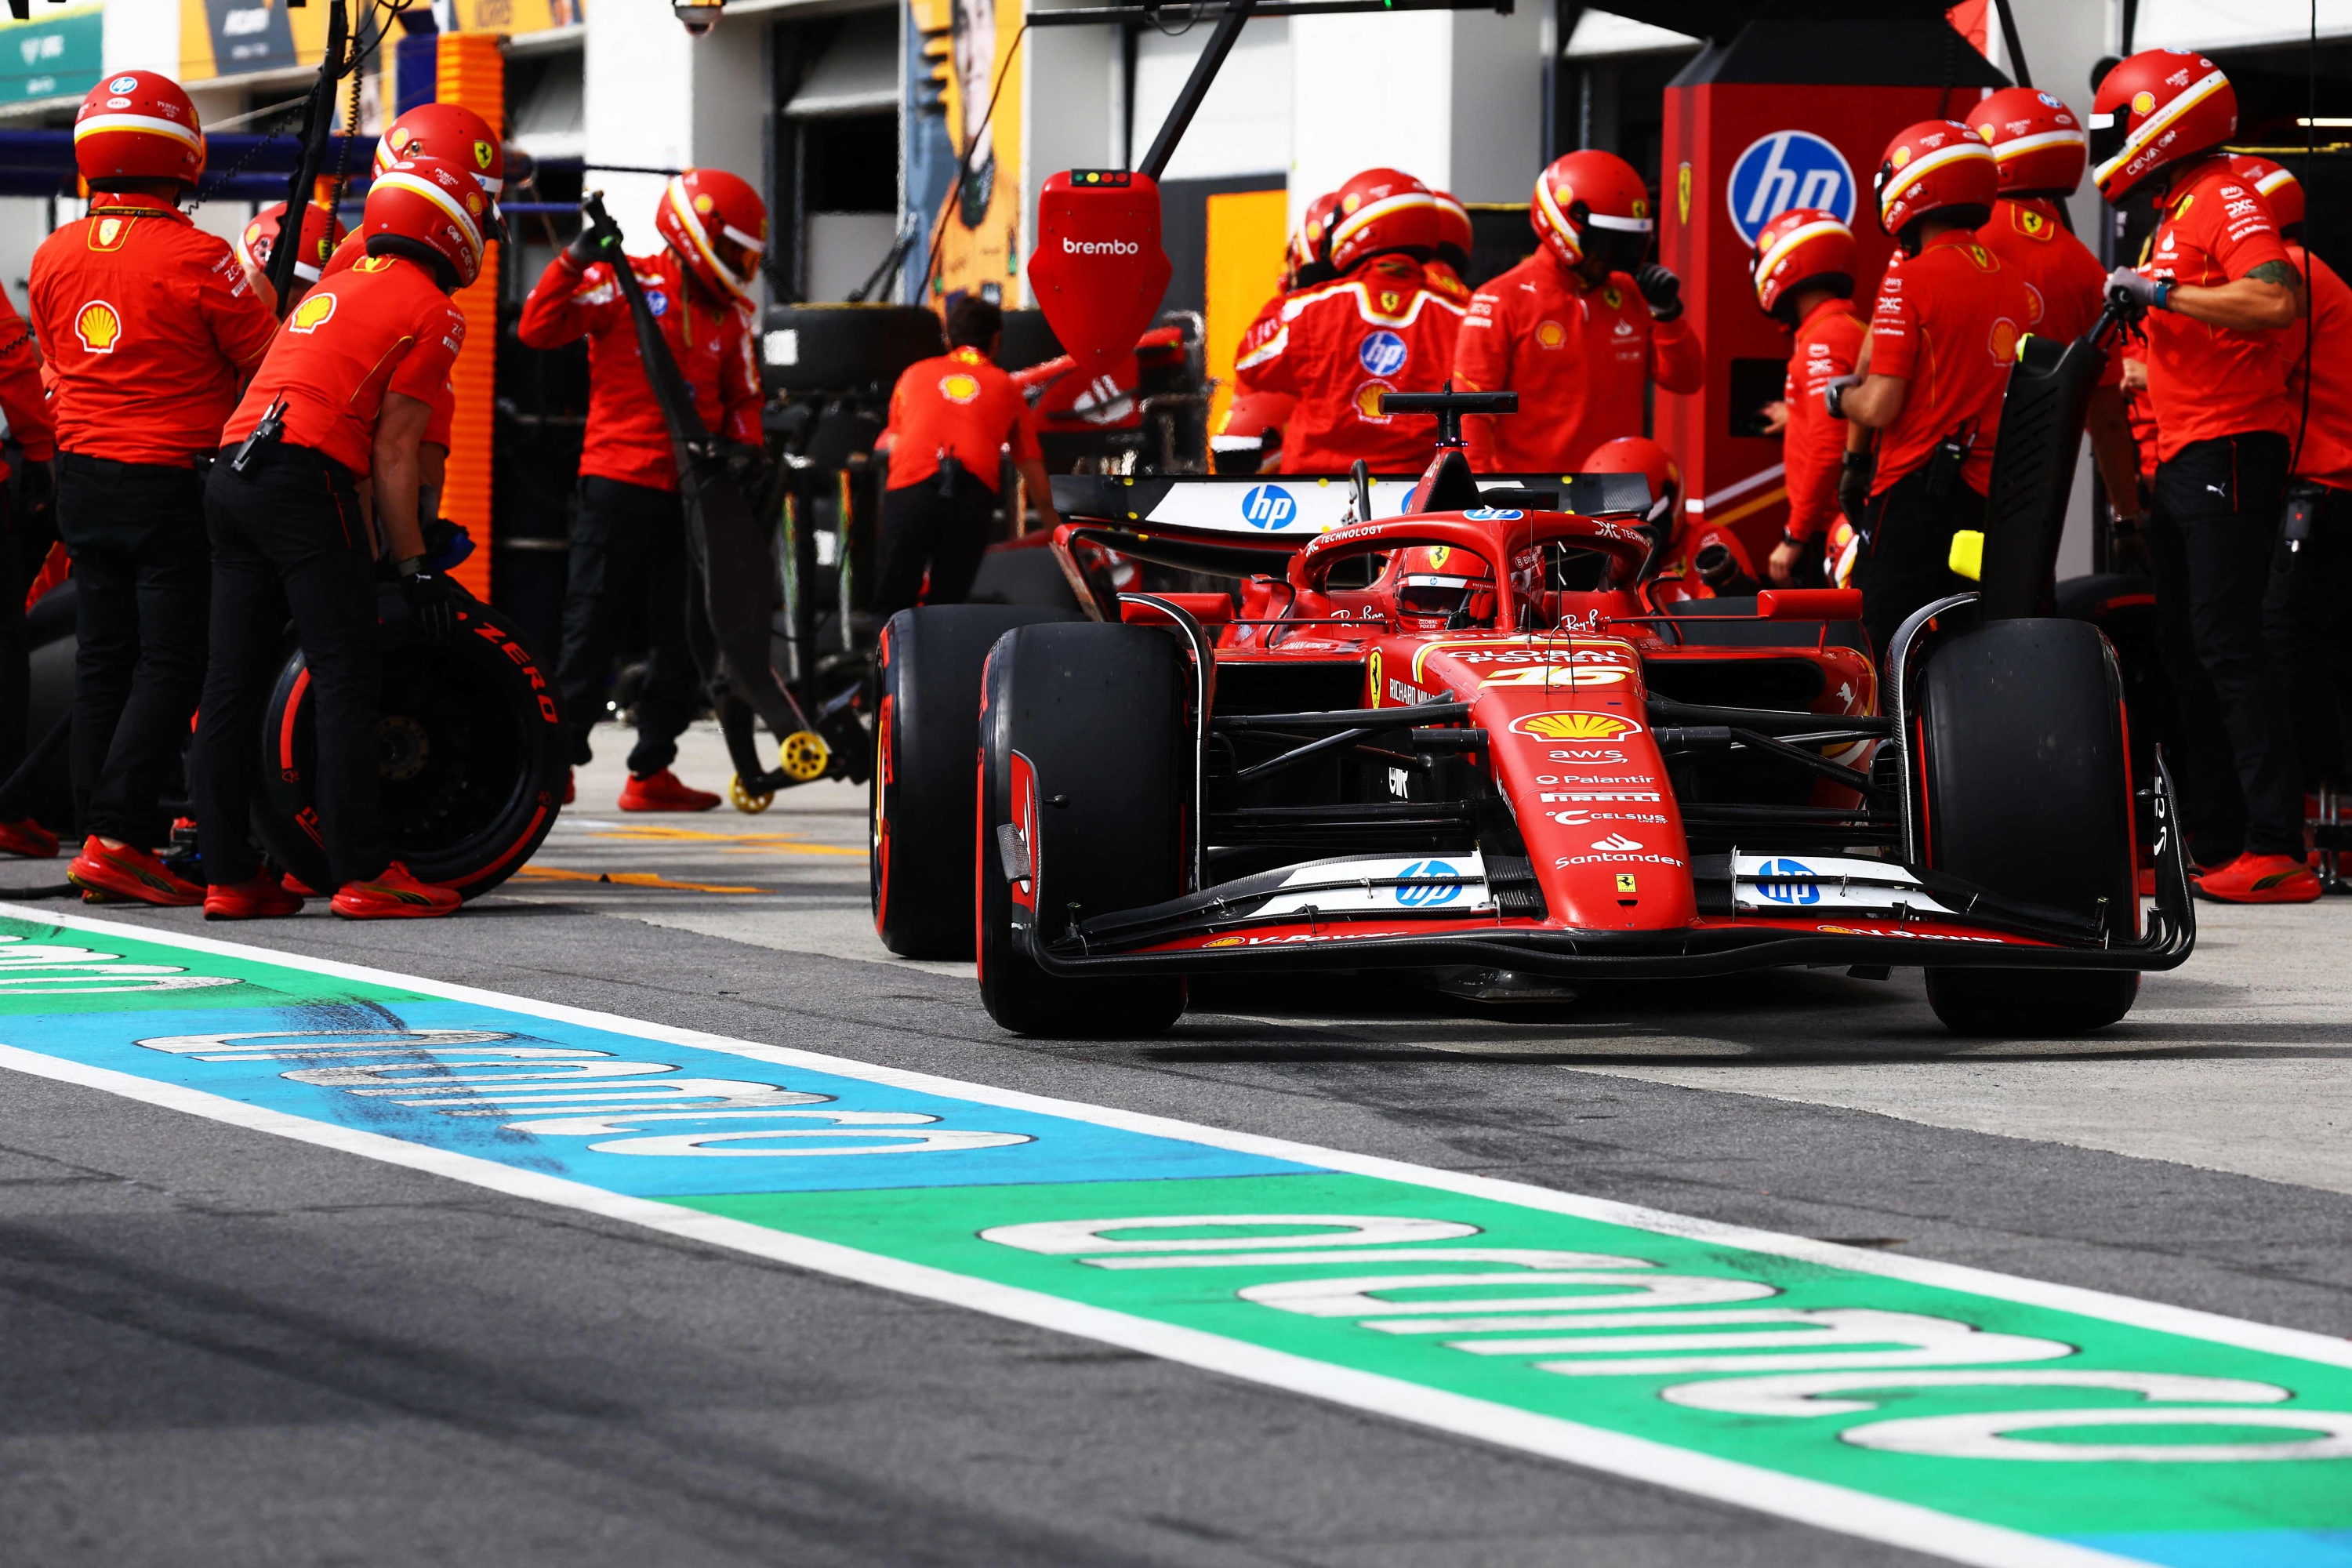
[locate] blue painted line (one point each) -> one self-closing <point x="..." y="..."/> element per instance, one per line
<point x="644" y="1117"/>
<point x="2228" y="1548"/>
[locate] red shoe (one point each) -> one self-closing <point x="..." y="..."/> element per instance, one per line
<point x="27" y="839"/>
<point x="394" y="895"/>
<point x="570" y="787"/>
<point x="104" y="875"/>
<point x="2260" y="880"/>
<point x="663" y="791"/>
<point x="296" y="885"/>
<point x="259" y="897"/>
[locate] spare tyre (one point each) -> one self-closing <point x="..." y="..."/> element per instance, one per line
<point x="471" y="748"/>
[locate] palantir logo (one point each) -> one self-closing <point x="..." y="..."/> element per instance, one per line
<point x="1268" y="506"/>
<point x="1381" y="353"/>
<point x="1428" y="895"/>
<point x="1788" y="882"/>
<point x="1787" y="169"/>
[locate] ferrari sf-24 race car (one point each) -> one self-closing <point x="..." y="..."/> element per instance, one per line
<point x="1456" y="725"/>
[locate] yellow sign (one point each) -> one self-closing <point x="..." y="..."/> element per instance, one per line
<point x="980" y="252"/>
<point x="1573" y="726"/>
<point x="99" y="326"/>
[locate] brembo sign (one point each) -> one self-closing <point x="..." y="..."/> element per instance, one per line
<point x="1098" y="272"/>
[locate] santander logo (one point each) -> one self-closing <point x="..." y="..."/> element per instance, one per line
<point x="1616" y="843"/>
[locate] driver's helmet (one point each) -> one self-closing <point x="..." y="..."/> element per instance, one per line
<point x="1435" y="585"/>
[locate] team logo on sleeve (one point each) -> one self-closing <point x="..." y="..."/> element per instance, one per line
<point x="317" y="308"/>
<point x="99" y="325"/>
<point x="958" y="387"/>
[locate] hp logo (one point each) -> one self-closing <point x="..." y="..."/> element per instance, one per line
<point x="1428" y="896"/>
<point x="1381" y="353"/>
<point x="1787" y="169"/>
<point x="1268" y="506"/>
<point x="1788" y="882"/>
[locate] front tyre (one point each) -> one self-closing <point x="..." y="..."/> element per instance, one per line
<point x="1085" y="770"/>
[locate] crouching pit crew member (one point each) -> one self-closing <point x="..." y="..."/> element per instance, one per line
<point x="951" y="419"/>
<point x="1942" y="339"/>
<point x="628" y="541"/>
<point x="1803" y="267"/>
<point x="149" y="330"/>
<point x="343" y="396"/>
<point x="2218" y="285"/>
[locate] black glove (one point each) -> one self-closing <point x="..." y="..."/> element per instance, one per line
<point x="1854" y="484"/>
<point x="432" y="600"/>
<point x="1662" y="290"/>
<point x="746" y="465"/>
<point x="445" y="544"/>
<point x="37" y="486"/>
<point x="591" y="245"/>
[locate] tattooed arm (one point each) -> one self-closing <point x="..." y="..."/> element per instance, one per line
<point x="2269" y="297"/>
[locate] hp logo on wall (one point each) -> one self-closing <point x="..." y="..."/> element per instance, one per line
<point x="1787" y="169"/>
<point x="1268" y="506"/>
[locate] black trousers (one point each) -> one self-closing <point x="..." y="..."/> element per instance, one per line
<point x="925" y="529"/>
<point x="289" y="540"/>
<point x="2225" y="496"/>
<point x="2311" y="637"/>
<point x="2200" y="757"/>
<point x="1906" y="562"/>
<point x="16" y="650"/>
<point x="136" y="532"/>
<point x="628" y="551"/>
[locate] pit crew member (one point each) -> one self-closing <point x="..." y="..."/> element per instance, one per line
<point x="1380" y="328"/>
<point x="25" y="523"/>
<point x="1578" y="328"/>
<point x="2220" y="286"/>
<point x="344" y="396"/>
<point x="321" y="232"/>
<point x="628" y="541"/>
<point x="1454" y="239"/>
<point x="1803" y="266"/>
<point x="951" y="419"/>
<point x="149" y="328"/>
<point x="1248" y="437"/>
<point x="1942" y="339"/>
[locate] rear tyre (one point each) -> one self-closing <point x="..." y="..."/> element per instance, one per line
<point x="2026" y="791"/>
<point x="471" y="748"/>
<point x="921" y="802"/>
<point x="1086" y="755"/>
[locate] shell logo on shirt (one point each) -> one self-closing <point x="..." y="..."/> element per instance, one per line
<point x="317" y="308"/>
<point x="2005" y="338"/>
<point x="958" y="387"/>
<point x="1550" y="334"/>
<point x="1368" y="401"/>
<point x="99" y="325"/>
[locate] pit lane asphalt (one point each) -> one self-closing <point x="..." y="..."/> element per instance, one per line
<point x="222" y="1347"/>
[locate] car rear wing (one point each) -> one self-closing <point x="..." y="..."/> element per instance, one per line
<point x="1284" y="511"/>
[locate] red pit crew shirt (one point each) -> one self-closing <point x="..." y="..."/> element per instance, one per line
<point x="958" y="405"/>
<point x="2208" y="382"/>
<point x="627" y="439"/>
<point x="445" y="400"/>
<point x="1339" y="349"/>
<point x="1812" y="448"/>
<point x="149" y="328"/>
<point x="2069" y="286"/>
<point x="1947" y="321"/>
<point x="1578" y="358"/>
<point x="24" y="396"/>
<point x="382" y="327"/>
<point x="2327" y="452"/>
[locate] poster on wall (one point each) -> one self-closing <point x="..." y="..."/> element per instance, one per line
<point x="237" y="37"/>
<point x="515" y="16"/>
<point x="961" y="56"/>
<point x="59" y="54"/>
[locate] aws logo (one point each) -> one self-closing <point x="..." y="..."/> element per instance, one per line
<point x="1573" y="726"/>
<point x="317" y="308"/>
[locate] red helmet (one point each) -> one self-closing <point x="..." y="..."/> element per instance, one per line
<point x="1640" y="455"/>
<point x="431" y="211"/>
<point x="1441" y="585"/>
<point x="1802" y="246"/>
<point x="2036" y="141"/>
<point x="719" y="227"/>
<point x="1593" y="204"/>
<point x="138" y="125"/>
<point x="1309" y="253"/>
<point x="2159" y="107"/>
<point x="450" y="133"/>
<point x="1454" y="236"/>
<point x="1934" y="164"/>
<point x="1382" y="210"/>
<point x="321" y="232"/>
<point x="2277" y="184"/>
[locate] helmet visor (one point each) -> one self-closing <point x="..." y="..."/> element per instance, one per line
<point x="2107" y="136"/>
<point x="1434" y="595"/>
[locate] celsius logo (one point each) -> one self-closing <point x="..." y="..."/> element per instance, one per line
<point x="1098" y="246"/>
<point x="1381" y="353"/>
<point x="1788" y="882"/>
<point x="1268" y="506"/>
<point x="1787" y="169"/>
<point x="1428" y="896"/>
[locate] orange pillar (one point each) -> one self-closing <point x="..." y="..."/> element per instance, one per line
<point x="471" y="70"/>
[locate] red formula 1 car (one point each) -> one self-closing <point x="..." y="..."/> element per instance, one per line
<point x="1480" y="735"/>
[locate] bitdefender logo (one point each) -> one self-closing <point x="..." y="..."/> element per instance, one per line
<point x="1099" y="247"/>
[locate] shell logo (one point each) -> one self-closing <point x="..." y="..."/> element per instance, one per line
<point x="316" y="309"/>
<point x="99" y="325"/>
<point x="1564" y="194"/>
<point x="1573" y="726"/>
<point x="1368" y="401"/>
<point x="1986" y="130"/>
<point x="702" y="203"/>
<point x="401" y="137"/>
<point x="1550" y="334"/>
<point x="1901" y="156"/>
<point x="960" y="387"/>
<point x="1351" y="201"/>
<point x="2143" y="102"/>
<point x="482" y="152"/>
<point x="2005" y="339"/>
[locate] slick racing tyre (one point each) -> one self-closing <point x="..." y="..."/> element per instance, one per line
<point x="2025" y="790"/>
<point x="1084" y="776"/>
<point x="471" y="749"/>
<point x="925" y="735"/>
<point x="2124" y="606"/>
